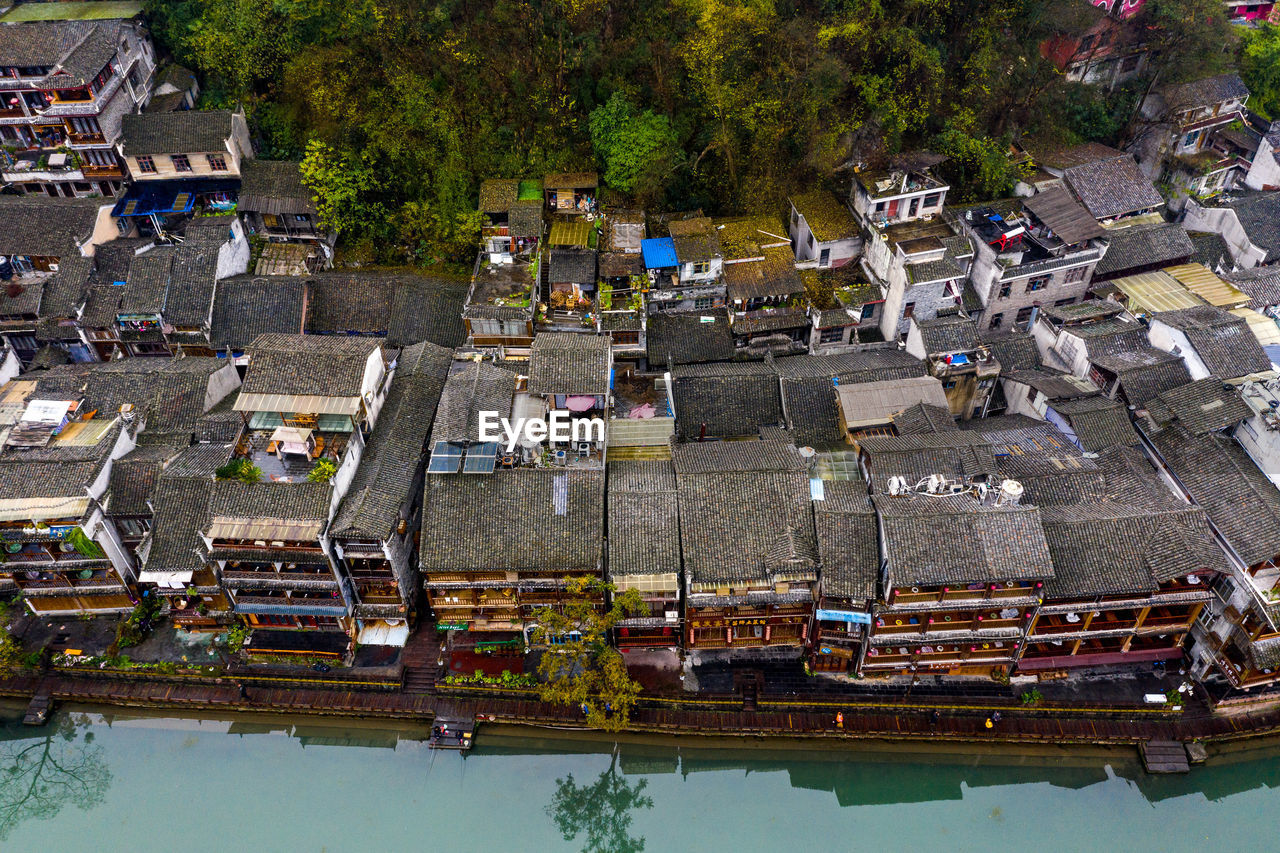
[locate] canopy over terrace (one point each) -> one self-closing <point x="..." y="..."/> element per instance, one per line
<point x="1150" y="292"/>
<point x="309" y="404"/>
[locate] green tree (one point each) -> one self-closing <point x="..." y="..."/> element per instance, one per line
<point x="581" y="669"/>
<point x="1187" y="39"/>
<point x="1260" y="69"/>
<point x="639" y="150"/>
<point x="345" y="185"/>
<point x="977" y="166"/>
<point x="600" y="811"/>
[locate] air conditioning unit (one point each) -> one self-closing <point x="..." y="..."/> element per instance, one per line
<point x="672" y="615"/>
<point x="53" y="267"/>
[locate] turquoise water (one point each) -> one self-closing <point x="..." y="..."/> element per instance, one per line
<point x="115" y="782"/>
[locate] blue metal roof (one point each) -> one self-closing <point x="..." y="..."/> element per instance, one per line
<point x="167" y="197"/>
<point x="659" y="253"/>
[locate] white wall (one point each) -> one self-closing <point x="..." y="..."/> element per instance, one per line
<point x="1264" y="171"/>
<point x="233" y="255"/>
<point x="1262" y="445"/>
<point x="1167" y="338"/>
<point x="1223" y="220"/>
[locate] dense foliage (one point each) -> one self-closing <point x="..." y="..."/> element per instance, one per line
<point x="401" y="107"/>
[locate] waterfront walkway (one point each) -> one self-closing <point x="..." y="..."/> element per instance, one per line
<point x="796" y="717"/>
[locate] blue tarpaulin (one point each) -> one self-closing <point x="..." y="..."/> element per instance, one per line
<point x="659" y="253"/>
<point x="168" y="197"/>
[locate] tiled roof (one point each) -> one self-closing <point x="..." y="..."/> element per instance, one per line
<point x="569" y="363"/>
<point x="1088" y="309"/>
<point x="245" y="307"/>
<point x="1114" y="187"/>
<point x="193" y="278"/>
<point x="20" y="298"/>
<point x="923" y="417"/>
<point x="182" y="132"/>
<point x="302" y="365"/>
<point x="575" y="266"/>
<point x="147" y="284"/>
<point x="1014" y="350"/>
<point x="199" y="461"/>
<point x="1241" y="502"/>
<point x="427" y="309"/>
<point x="848" y="540"/>
<point x="498" y="194"/>
<point x="134" y="478"/>
<point x="683" y="338"/>
<point x="1054" y="384"/>
<point x="533" y="519"/>
<point x="826" y="214"/>
<point x="948" y="334"/>
<point x="47" y="227"/>
<point x="954" y="454"/>
<point x="695" y="239"/>
<point x="182" y="511"/>
<point x="809" y="394"/>
<point x="1210" y="249"/>
<point x="283" y="501"/>
<point x="745" y="512"/>
<point x="1116" y="549"/>
<point x="1203" y="406"/>
<point x="1142" y="247"/>
<point x="472" y="387"/>
<point x="349" y="303"/>
<point x="1057" y="157"/>
<point x="1259" y="215"/>
<point x="274" y="186"/>
<point x="1222" y="340"/>
<point x="956" y="539"/>
<point x="727" y="399"/>
<point x="644" y="518"/>
<point x="1063" y="215"/>
<point x="1262" y="284"/>
<point x="1145" y="372"/>
<point x="64" y="292"/>
<point x="371" y="507"/>
<point x="1098" y="422"/>
<point x="1206" y="92"/>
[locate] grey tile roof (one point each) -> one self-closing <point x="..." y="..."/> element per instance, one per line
<point x="809" y="395"/>
<point x="1240" y="501"/>
<point x="1143" y="247"/>
<point x="1205" y="92"/>
<point x="1114" y="187"/>
<point x="1223" y="341"/>
<point x="498" y="194"/>
<point x="56" y="471"/>
<point x="273" y="186"/>
<point x="472" y="387"/>
<point x="948" y="334"/>
<point x="382" y="483"/>
<point x="1262" y="284"/>
<point x="569" y="363"/>
<point x="848" y="541"/>
<point x="1114" y="549"/>
<point x="41" y="43"/>
<point x="245" y="307"/>
<point x="926" y="418"/>
<point x="1014" y="350"/>
<point x="526" y="519"/>
<point x="575" y="266"/>
<point x="199" y="461"/>
<point x="323" y="365"/>
<point x="1259" y="215"/>
<point x="695" y="239"/>
<point x="21" y="298"/>
<point x="1211" y="249"/>
<point x="957" y="539"/>
<point x="728" y="399"/>
<point x="1054" y="384"/>
<point x="1144" y="373"/>
<point x="282" y="501"/>
<point x="745" y="512"/>
<point x="182" y="132"/>
<point x="182" y="511"/>
<point x="45" y="227"/>
<point x="64" y="292"/>
<point x="427" y="309"/>
<point x="222" y="423"/>
<point x="1088" y="309"/>
<point x="954" y="454"/>
<point x="1063" y="215"/>
<point x="134" y="478"/>
<point x="147" y="285"/>
<point x="347" y="303"/>
<point x="87" y="59"/>
<point x="644" y="518"/>
<point x="682" y="337"/>
<point x="1098" y="422"/>
<point x="1206" y="405"/>
<point x="194" y="275"/>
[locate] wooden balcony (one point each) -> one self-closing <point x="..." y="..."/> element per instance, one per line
<point x="99" y="172"/>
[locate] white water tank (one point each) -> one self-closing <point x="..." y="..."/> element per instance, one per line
<point x="1010" y="493"/>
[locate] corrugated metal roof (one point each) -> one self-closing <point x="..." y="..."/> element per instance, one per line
<point x="1204" y="283"/>
<point x="42" y="509"/>
<point x="272" y="530"/>
<point x="1155" y="291"/>
<point x="1263" y="327"/>
<point x="311" y="405"/>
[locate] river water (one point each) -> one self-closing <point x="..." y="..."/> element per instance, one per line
<point x="97" y="781"/>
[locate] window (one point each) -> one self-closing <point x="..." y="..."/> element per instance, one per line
<point x="933" y="200"/>
<point x="1038" y="283"/>
<point x="1130" y="63"/>
<point x="217" y="162"/>
<point x="702" y="303"/>
<point x="1024" y="314"/>
<point x="996" y="320"/>
<point x="1062" y="302"/>
<point x="831" y="336"/>
<point x="625" y="337"/>
<point x="810" y="239"/>
<point x="915" y="207"/>
<point x="301" y="217"/>
<point x="948" y="385"/>
<point x="1189" y="140"/>
<point x="868" y="311"/>
<point x="824" y="258"/>
<point x="702" y="268"/>
<point x="879" y="207"/>
<point x="146" y="165"/>
<point x="1005" y="290"/>
<point x="181" y="163"/>
<point x="909" y="310"/>
<point x="1077" y="274"/>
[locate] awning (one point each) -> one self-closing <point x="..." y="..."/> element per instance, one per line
<point x="145" y="198"/>
<point x="166" y="580"/>
<point x="381" y="633"/>
<point x="268" y="529"/>
<point x="1155" y="291"/>
<point x="312" y="405"/>
<point x="42" y="509"/>
<point x="293" y="435"/>
<point x="579" y="404"/>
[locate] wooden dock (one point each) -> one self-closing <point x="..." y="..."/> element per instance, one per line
<point x="1165" y="756"/>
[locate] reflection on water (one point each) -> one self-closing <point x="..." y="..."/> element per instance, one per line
<point x="41" y="776"/>
<point x="601" y="811"/>
<point x="339" y="786"/>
